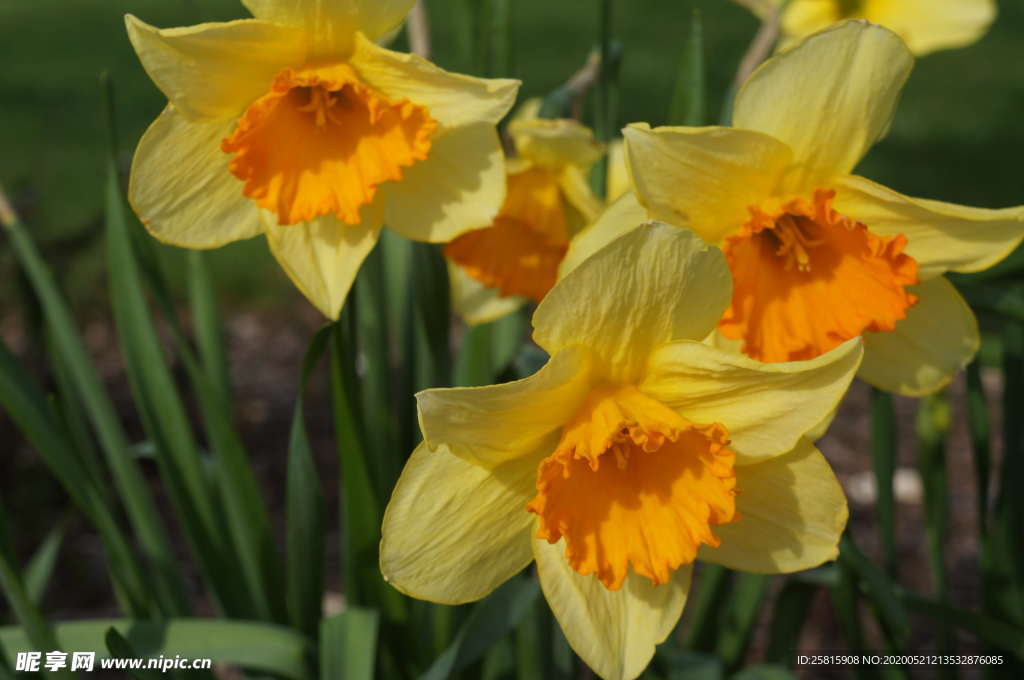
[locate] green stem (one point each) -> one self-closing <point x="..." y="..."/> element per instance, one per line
<point x="884" y="444"/>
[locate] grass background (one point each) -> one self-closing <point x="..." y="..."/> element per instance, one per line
<point x="957" y="134"/>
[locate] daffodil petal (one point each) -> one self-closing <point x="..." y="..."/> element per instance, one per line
<point x="455" y="531"/>
<point x="323" y="256"/>
<point x="458" y="188"/>
<point x="703" y="178"/>
<point x="924" y="352"/>
<point x="493" y="424"/>
<point x="555" y="142"/>
<point x="767" y="408"/>
<point x="453" y="100"/>
<point x="940" y="236"/>
<point x="829" y="98"/>
<point x="215" y="70"/>
<point x="477" y="303"/>
<point x="618" y="219"/>
<point x="791" y="513"/>
<point x="929" y="25"/>
<point x="577" y="192"/>
<point x="613" y="631"/>
<point x="654" y="285"/>
<point x="617" y="179"/>
<point x="375" y="18"/>
<point x="181" y="187"/>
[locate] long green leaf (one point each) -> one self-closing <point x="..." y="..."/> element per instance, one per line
<point x="26" y="405"/>
<point x="883" y="454"/>
<point x="40" y="569"/>
<point x="792" y="606"/>
<point x="305" y="503"/>
<point x="997" y="633"/>
<point x="258" y="646"/>
<point x="977" y="423"/>
<point x="209" y="327"/>
<point x="348" y="645"/>
<point x="738" y="627"/>
<point x="489" y="621"/>
<point x="132" y="488"/>
<point x="879" y="589"/>
<point x="120" y="648"/>
<point x="713" y="586"/>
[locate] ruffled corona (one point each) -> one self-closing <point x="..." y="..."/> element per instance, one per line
<point x="633" y="483"/>
<point x="806" y="279"/>
<point x="321" y="141"/>
<point x="520" y="253"/>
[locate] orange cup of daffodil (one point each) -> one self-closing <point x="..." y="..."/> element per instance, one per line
<point x="634" y="451"/>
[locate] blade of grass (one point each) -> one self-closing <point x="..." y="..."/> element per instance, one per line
<point x="209" y="327"/>
<point x="883" y="455"/>
<point x="933" y="422"/>
<point x="165" y="583"/>
<point x="27" y="407"/>
<point x="704" y="606"/>
<point x="845" y="596"/>
<point x="738" y="625"/>
<point x="999" y="634"/>
<point x="39" y="571"/>
<point x="688" y="98"/>
<point x="489" y="621"/>
<point x="348" y="645"/>
<point x="791" y="611"/>
<point x="879" y="589"/>
<point x="305" y="508"/>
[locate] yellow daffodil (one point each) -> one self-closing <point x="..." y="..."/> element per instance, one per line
<point x="925" y="25"/>
<point x="635" y="450"/>
<point x="819" y="255"/>
<point x="497" y="269"/>
<point x="295" y="124"/>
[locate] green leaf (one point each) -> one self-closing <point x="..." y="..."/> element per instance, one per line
<point x="791" y="612"/>
<point x="305" y="503"/>
<point x="40" y="569"/>
<point x="977" y="423"/>
<point x="879" y="589"/>
<point x="257" y="646"/>
<point x="120" y="648"/>
<point x="208" y="325"/>
<point x="165" y="582"/>
<point x="883" y="452"/>
<point x="489" y="621"/>
<point x="764" y="672"/>
<point x="689" y="95"/>
<point x="433" y="316"/>
<point x="704" y="607"/>
<point x="348" y="645"/>
<point x="997" y="633"/>
<point x="737" y="628"/>
<point x="688" y="665"/>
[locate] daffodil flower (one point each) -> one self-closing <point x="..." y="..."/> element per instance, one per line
<point x="818" y="255"/>
<point x="497" y="269"/>
<point x="634" y="451"/>
<point x="925" y="25"/>
<point x="295" y="124"/>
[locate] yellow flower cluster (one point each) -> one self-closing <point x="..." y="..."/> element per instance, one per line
<point x="700" y="329"/>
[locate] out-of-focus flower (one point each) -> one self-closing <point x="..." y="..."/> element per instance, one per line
<point x="548" y="200"/>
<point x="297" y="125"/>
<point x="925" y="25"/>
<point x="819" y="255"/>
<point x="635" y="450"/>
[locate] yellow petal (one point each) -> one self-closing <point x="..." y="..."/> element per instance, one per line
<point x="940" y="236"/>
<point x="555" y="142"/>
<point x="215" y="70"/>
<point x="455" y="531"/>
<point x="654" y="285"/>
<point x="331" y="25"/>
<point x="452" y="99"/>
<point x="791" y="513"/>
<point x="181" y="187"/>
<point x="924" y="352"/>
<point x="617" y="182"/>
<point x="576" y="188"/>
<point x="477" y="303"/>
<point x="618" y="219"/>
<point x="703" y="178"/>
<point x="458" y="188"/>
<point x="929" y="25"/>
<point x="830" y="98"/>
<point x="613" y="631"/>
<point x="767" y="408"/>
<point x="323" y="256"/>
<point x="493" y="424"/>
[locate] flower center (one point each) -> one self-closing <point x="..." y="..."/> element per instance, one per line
<point x="807" y="278"/>
<point x="520" y="253"/>
<point x="321" y="141"/>
<point x="633" y="483"/>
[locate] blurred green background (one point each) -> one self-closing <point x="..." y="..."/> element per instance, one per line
<point x="957" y="135"/>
